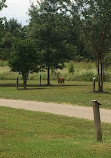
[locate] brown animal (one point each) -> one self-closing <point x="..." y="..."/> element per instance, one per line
<point x="60" y="80"/>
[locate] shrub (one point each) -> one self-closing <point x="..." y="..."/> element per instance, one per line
<point x="71" y="67"/>
<point x="87" y="76"/>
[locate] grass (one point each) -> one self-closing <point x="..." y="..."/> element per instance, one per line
<point x="79" y="93"/>
<point x="83" y="71"/>
<point x="26" y="134"/>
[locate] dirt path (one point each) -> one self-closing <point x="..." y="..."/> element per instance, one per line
<point x="59" y="109"/>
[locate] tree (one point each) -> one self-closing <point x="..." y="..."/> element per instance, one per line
<point x="49" y="27"/>
<point x="2" y="4"/>
<point x="24" y="59"/>
<point x="7" y="42"/>
<point x="12" y="32"/>
<point x="95" y="27"/>
<point x="14" y="27"/>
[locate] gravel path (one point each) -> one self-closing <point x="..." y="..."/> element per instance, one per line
<point x="59" y="109"/>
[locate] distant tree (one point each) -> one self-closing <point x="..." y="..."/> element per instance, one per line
<point x="2" y="4"/>
<point x="24" y="59"/>
<point x="2" y="30"/>
<point x="14" y="27"/>
<point x="12" y="32"/>
<point x="7" y="41"/>
<point x="49" y="27"/>
<point x="94" y="23"/>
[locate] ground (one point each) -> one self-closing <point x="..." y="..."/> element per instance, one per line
<point x="61" y="109"/>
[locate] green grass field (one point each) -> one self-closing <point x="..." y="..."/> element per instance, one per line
<point x="25" y="134"/>
<point x="77" y="90"/>
<point x="83" y="71"/>
<point x="76" y="93"/>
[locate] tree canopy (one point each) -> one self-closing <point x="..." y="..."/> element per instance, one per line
<point x="95" y="29"/>
<point x="50" y="28"/>
<point x="2" y="4"/>
<point x="12" y="31"/>
<point x="24" y="59"/>
<point x="63" y="29"/>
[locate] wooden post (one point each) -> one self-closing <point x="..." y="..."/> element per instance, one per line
<point x="17" y="83"/>
<point x="94" y="84"/>
<point x="97" y="121"/>
<point x="40" y="80"/>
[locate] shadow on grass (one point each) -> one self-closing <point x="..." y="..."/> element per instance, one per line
<point x="41" y="88"/>
<point x="103" y="92"/>
<point x="8" y="85"/>
<point x="35" y="86"/>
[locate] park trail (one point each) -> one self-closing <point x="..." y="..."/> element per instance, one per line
<point x="59" y="109"/>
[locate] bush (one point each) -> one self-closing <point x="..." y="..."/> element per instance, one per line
<point x="71" y="67"/>
<point x="87" y="76"/>
<point x="107" y="77"/>
<point x="3" y="63"/>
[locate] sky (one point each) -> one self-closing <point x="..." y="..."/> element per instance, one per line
<point x="17" y="9"/>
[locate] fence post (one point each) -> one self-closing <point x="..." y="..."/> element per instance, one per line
<point x="94" y="81"/>
<point x="97" y="121"/>
<point x="17" y="83"/>
<point x="40" y="80"/>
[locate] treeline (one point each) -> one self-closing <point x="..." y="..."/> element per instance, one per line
<point x="58" y="32"/>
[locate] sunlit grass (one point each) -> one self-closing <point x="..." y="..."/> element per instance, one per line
<point x="83" y="71"/>
<point x="75" y="93"/>
<point x="33" y="134"/>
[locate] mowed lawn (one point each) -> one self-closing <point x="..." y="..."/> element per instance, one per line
<point x="26" y="134"/>
<point x="76" y="93"/>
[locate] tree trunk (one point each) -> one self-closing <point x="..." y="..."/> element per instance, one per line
<point x="24" y="77"/>
<point x="48" y="75"/>
<point x="98" y="65"/>
<point x="100" y="75"/>
<point x="101" y="66"/>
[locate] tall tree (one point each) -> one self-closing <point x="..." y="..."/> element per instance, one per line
<point x="24" y="59"/>
<point x="49" y="27"/>
<point x="94" y="20"/>
<point x="12" y="32"/>
<point x="2" y="4"/>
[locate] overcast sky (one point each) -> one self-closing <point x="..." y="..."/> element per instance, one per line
<point x="17" y="9"/>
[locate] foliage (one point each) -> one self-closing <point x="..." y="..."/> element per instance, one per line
<point x="12" y="32"/>
<point x="107" y="61"/>
<point x="24" y="59"/>
<point x="63" y="31"/>
<point x="95" y="27"/>
<point x="46" y="26"/>
<point x="13" y="27"/>
<point x="71" y="67"/>
<point x="2" y="4"/>
<point x="83" y="71"/>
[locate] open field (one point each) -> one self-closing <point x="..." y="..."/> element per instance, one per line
<point x="77" y="90"/>
<point x="83" y="71"/>
<point x="26" y="134"/>
<point x="41" y="135"/>
<point x="76" y="93"/>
